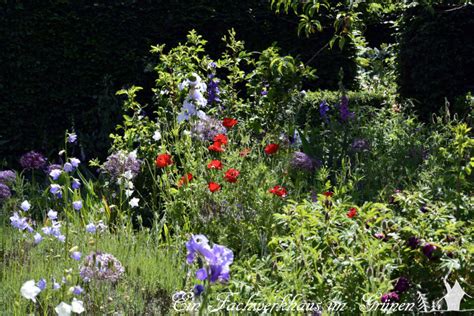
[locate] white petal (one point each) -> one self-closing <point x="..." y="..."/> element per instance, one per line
<point x="63" y="309"/>
<point x="29" y="290"/>
<point x="77" y="306"/>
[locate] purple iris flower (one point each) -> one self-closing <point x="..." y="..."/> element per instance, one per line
<point x="68" y="167"/>
<point x="198" y="289"/>
<point x="37" y="238"/>
<point x="55" y="174"/>
<point x="41" y="284"/>
<point x="76" y="255"/>
<point x="76" y="184"/>
<point x="77" y="205"/>
<point x="198" y="244"/>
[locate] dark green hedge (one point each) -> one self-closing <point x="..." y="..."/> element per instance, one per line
<point x="62" y="61"/>
<point x="436" y="58"/>
<point x="309" y="111"/>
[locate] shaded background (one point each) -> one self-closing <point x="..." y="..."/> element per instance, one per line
<point x="62" y="61"/>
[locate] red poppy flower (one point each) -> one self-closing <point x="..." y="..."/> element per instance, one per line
<point x="352" y="212"/>
<point x="221" y="138"/>
<point x="231" y="175"/>
<point x="229" y="122"/>
<point x="279" y="191"/>
<point x="185" y="179"/>
<point x="215" y="164"/>
<point x="213" y="187"/>
<point x="328" y="194"/>
<point x="217" y="147"/>
<point x="163" y="160"/>
<point x="272" y="148"/>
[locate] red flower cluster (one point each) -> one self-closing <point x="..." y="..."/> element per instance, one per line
<point x="215" y="164"/>
<point x="352" y="212"/>
<point x="229" y="122"/>
<point x="163" y="160"/>
<point x="272" y="148"/>
<point x="213" y="187"/>
<point x="328" y="194"/>
<point x="219" y="140"/>
<point x="231" y="175"/>
<point x="279" y="191"/>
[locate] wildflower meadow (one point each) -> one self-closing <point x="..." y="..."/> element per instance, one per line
<point x="233" y="186"/>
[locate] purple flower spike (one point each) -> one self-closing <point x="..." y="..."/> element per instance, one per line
<point x="5" y="192"/>
<point x="344" y="109"/>
<point x="323" y="110"/>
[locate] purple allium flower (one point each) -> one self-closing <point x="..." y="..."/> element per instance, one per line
<point x="198" y="289"/>
<point x="428" y="250"/>
<point x="71" y="138"/>
<point x="413" y="242"/>
<point x="55" y="174"/>
<point x="401" y="285"/>
<point x="32" y="160"/>
<point x="76" y="255"/>
<point x="5" y="192"/>
<point x="90" y="228"/>
<point x="360" y="145"/>
<point x="344" y="109"/>
<point x="323" y="110"/>
<point x="213" y="91"/>
<point x="76" y="184"/>
<point x="7" y="176"/>
<point x="75" y="162"/>
<point x="101" y="266"/>
<point x="77" y="205"/>
<point x="301" y="161"/>
<point x="38" y="238"/>
<point x="120" y="162"/>
<point x="207" y="128"/>
<point x="41" y="284"/>
<point x="390" y="297"/>
<point x="77" y="290"/>
<point x="68" y="167"/>
<point x="52" y="215"/>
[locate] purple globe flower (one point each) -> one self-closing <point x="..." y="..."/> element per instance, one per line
<point x="7" y="176"/>
<point x="428" y="250"/>
<point x="413" y="242"/>
<point x="390" y="297"/>
<point x="5" y="192"/>
<point x="301" y="161"/>
<point x="101" y="266"/>
<point x="32" y="160"/>
<point x="401" y="285"/>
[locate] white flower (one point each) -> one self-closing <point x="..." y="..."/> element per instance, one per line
<point x="134" y="202"/>
<point x="157" y="135"/>
<point x="29" y="290"/>
<point x="128" y="175"/>
<point x="128" y="193"/>
<point x="25" y="205"/>
<point x="77" y="306"/>
<point x="63" y="309"/>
